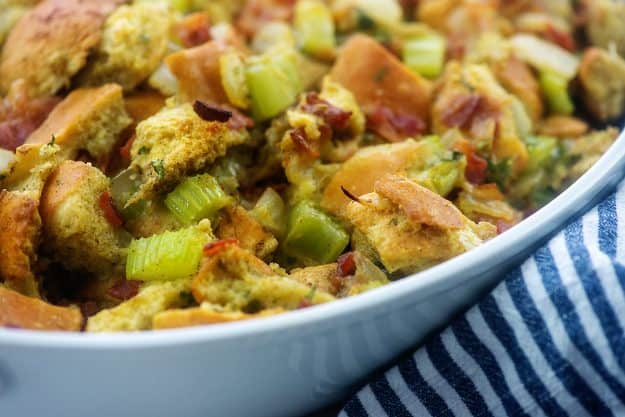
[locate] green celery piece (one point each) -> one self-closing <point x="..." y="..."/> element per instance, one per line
<point x="196" y="198"/>
<point x="167" y="256"/>
<point x="312" y="236"/>
<point x="441" y="178"/>
<point x="542" y="150"/>
<point x="425" y="55"/>
<point x="314" y="28"/>
<point x="123" y="186"/>
<point x="273" y="81"/>
<point x="555" y="89"/>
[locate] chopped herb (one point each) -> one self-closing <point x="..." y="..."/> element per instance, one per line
<point x="499" y="172"/>
<point x="380" y="75"/>
<point x="363" y="21"/>
<point x="159" y="168"/>
<point x="143" y="150"/>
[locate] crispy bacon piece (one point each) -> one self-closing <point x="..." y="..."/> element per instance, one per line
<point x="106" y="204"/>
<point x="346" y="265"/>
<point x="211" y="113"/>
<point x="256" y="13"/>
<point x="193" y="29"/>
<point x="301" y="143"/>
<point x="214" y="248"/>
<point x="393" y="126"/>
<point x="477" y="167"/>
<point x="560" y="37"/>
<point x="461" y="111"/>
<point x="124" y="289"/>
<point x="334" y="117"/>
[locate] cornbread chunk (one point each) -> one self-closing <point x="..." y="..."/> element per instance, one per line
<point x="88" y="118"/>
<point x="205" y="314"/>
<point x="409" y="228"/>
<point x="238" y="281"/>
<point x="176" y="142"/>
<point x="237" y="223"/>
<point x="17" y="310"/>
<point x="143" y="104"/>
<point x="602" y="76"/>
<point x="605" y="23"/>
<point x="20" y="227"/>
<point x="76" y="231"/>
<point x="50" y="43"/>
<point x="138" y="312"/>
<point x="134" y="41"/>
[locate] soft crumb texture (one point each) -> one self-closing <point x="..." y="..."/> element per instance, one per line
<point x="238" y="281"/>
<point x="134" y="41"/>
<point x="589" y="149"/>
<point x="605" y="23"/>
<point x="176" y="142"/>
<point x="237" y="223"/>
<point x="17" y="310"/>
<point x="138" y="312"/>
<point x="50" y="43"/>
<point x="76" y="232"/>
<point x="322" y="277"/>
<point x="602" y="76"/>
<point x="20" y="227"/>
<point x="8" y="18"/>
<point x="88" y="118"/>
<point x="203" y="315"/>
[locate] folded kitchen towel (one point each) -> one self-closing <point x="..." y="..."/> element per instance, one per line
<point x="548" y="341"/>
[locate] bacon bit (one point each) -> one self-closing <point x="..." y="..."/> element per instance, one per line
<point x="193" y="30"/>
<point x="349" y="194"/>
<point x="560" y="38"/>
<point x="239" y="120"/>
<point x="256" y="13"/>
<point x="461" y="111"/>
<point x="110" y="214"/>
<point x="124" y="289"/>
<point x="457" y="45"/>
<point x="305" y="303"/>
<point x="19" y="117"/>
<point x="392" y="126"/>
<point x="89" y="308"/>
<point x="211" y="113"/>
<point x="503" y="226"/>
<point x="302" y="145"/>
<point x="336" y="118"/>
<point x="346" y="265"/>
<point x="124" y="151"/>
<point x="477" y="167"/>
<point x="213" y="248"/>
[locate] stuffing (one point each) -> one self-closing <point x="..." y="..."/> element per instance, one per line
<point x="20" y="228"/>
<point x="381" y="83"/>
<point x="176" y="142"/>
<point x="602" y="76"/>
<point x="238" y="281"/>
<point x="88" y="119"/>
<point x="563" y="127"/>
<point x="30" y="168"/>
<point x="17" y="310"/>
<point x="321" y="277"/>
<point x="237" y="223"/>
<point x="518" y="78"/>
<point x="472" y="100"/>
<point x="134" y="41"/>
<point x="155" y="218"/>
<point x="142" y="104"/>
<point x="9" y="16"/>
<point x="78" y="232"/>
<point x="138" y="312"/>
<point x="205" y="314"/>
<point x="604" y="24"/>
<point x="409" y="228"/>
<point x="588" y="149"/>
<point x="51" y="42"/>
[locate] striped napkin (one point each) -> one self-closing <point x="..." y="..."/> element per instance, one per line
<point x="548" y="341"/>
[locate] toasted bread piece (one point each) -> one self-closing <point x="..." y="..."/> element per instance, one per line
<point x="176" y="142"/>
<point x="321" y="277"/>
<point x="88" y="118"/>
<point x="517" y="77"/>
<point x="378" y="79"/>
<point x="198" y="73"/>
<point x="76" y="232"/>
<point x="143" y="104"/>
<point x="50" y="43"/>
<point x="20" y="227"/>
<point x="17" y="310"/>
<point x="237" y="223"/>
<point x="602" y="76"/>
<point x="238" y="281"/>
<point x="203" y="315"/>
<point x="138" y="312"/>
<point x="134" y="41"/>
<point x="605" y="23"/>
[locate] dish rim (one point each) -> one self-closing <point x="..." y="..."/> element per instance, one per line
<point x="447" y="275"/>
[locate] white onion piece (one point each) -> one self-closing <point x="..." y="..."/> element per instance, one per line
<point x="6" y="157"/>
<point x="545" y="56"/>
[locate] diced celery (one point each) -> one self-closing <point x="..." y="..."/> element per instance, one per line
<point x="314" y="28"/>
<point x="312" y="236"/>
<point x="441" y="178"/>
<point x="270" y="212"/>
<point x="167" y="256"/>
<point x="273" y="81"/>
<point x="542" y="151"/>
<point x="123" y="186"/>
<point x="196" y="198"/>
<point x="232" y="70"/>
<point x="555" y="89"/>
<point x="425" y="55"/>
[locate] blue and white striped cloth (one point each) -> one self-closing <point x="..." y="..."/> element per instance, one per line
<point x="548" y="341"/>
